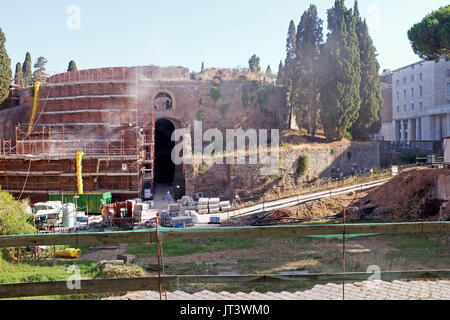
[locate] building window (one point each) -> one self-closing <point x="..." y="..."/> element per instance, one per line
<point x="398" y="96"/>
<point x="163" y="101"/>
<point x="420" y="91"/>
<point x="412" y="78"/>
<point x="404" y="107"/>
<point x="421" y="106"/>
<point x="420" y="76"/>
<point x="412" y="67"/>
<point x="448" y="73"/>
<point x="404" y="80"/>
<point x="412" y="106"/>
<point x="448" y="88"/>
<point x="398" y="108"/>
<point x="404" y="94"/>
<point x="398" y="83"/>
<point x="412" y="93"/>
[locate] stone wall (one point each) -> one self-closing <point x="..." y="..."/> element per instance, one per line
<point x="325" y="161"/>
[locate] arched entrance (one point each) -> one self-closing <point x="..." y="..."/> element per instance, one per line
<point x="164" y="166"/>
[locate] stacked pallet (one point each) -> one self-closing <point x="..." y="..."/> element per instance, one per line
<point x="212" y="206"/>
<point x="142" y="212"/>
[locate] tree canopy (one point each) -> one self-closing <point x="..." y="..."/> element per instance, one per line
<point x="5" y="69"/>
<point x="430" y="38"/>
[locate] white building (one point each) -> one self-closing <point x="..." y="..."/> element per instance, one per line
<point x="421" y="101"/>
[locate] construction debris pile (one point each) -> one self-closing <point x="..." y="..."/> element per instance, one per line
<point x="418" y="194"/>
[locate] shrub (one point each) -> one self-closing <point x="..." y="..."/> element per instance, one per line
<point x="348" y="136"/>
<point x="215" y="93"/>
<point x="13" y="218"/>
<point x="202" y="169"/>
<point x="201" y="115"/>
<point x="302" y="164"/>
<point x="333" y="151"/>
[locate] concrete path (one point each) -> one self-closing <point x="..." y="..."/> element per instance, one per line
<point x="367" y="290"/>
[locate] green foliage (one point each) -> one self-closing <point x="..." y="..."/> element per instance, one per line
<point x="369" y="120"/>
<point x="254" y="63"/>
<point x="268" y="71"/>
<point x="191" y="246"/>
<point x="306" y="89"/>
<point x="280" y="73"/>
<point x="13" y="218"/>
<point x="302" y="164"/>
<point x="5" y="69"/>
<point x="202" y="169"/>
<point x="224" y="109"/>
<point x="40" y="72"/>
<point x="18" y="76"/>
<point x="341" y="76"/>
<point x="26" y="70"/>
<point x="409" y="156"/>
<point x="256" y="94"/>
<point x="348" y="136"/>
<point x="333" y="151"/>
<point x="72" y="66"/>
<point x="215" y="93"/>
<point x="201" y="115"/>
<point x="202" y="68"/>
<point x="430" y="38"/>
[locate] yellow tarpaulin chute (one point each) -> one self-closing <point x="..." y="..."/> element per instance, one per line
<point x="80" y="172"/>
<point x="35" y="105"/>
<point x="69" y="253"/>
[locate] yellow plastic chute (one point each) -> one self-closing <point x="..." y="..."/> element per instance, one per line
<point x="35" y="105"/>
<point x="69" y="253"/>
<point x="80" y="172"/>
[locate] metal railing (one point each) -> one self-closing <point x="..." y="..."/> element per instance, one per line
<point x="168" y="282"/>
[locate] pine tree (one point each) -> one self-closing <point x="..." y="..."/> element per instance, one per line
<point x="18" y="76"/>
<point x="268" y="71"/>
<point x="309" y="42"/>
<point x="40" y="74"/>
<point x="5" y="70"/>
<point x="341" y="78"/>
<point x="72" y="66"/>
<point x="254" y="63"/>
<point x="369" y="121"/>
<point x="26" y="70"/>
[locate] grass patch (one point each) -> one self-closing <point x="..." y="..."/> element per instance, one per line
<point x="191" y="246"/>
<point x="12" y="272"/>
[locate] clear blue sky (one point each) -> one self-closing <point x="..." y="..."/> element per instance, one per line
<point x="187" y="32"/>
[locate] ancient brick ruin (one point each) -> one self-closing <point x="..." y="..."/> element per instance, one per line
<point x="122" y="119"/>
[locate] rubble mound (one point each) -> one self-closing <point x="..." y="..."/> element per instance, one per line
<point x="418" y="194"/>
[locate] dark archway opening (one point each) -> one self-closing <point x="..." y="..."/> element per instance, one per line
<point x="164" y="166"/>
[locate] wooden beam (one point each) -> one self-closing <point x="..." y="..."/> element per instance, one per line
<point x="169" y="234"/>
<point x="169" y="282"/>
<point x="101" y="238"/>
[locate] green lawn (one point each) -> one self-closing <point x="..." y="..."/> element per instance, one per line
<point x="191" y="246"/>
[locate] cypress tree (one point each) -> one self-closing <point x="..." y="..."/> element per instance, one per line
<point x="309" y="43"/>
<point x="369" y="121"/>
<point x="18" y="76"/>
<point x="5" y="69"/>
<point x="280" y="73"/>
<point x="289" y="73"/>
<point x="72" y="66"/>
<point x="26" y="70"/>
<point x="202" y="68"/>
<point x="268" y="70"/>
<point x="341" y="77"/>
